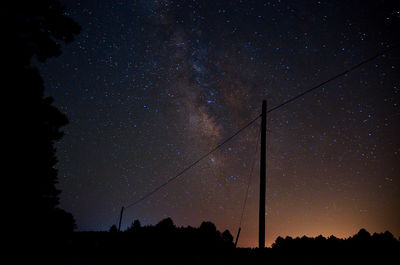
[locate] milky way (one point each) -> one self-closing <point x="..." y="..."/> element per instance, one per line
<point x="150" y="86"/>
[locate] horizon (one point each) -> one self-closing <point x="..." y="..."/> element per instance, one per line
<point x="255" y="242"/>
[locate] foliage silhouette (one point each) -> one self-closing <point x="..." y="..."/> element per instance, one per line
<point x="165" y="243"/>
<point x="35" y="30"/>
<point x="113" y="229"/>
<point x="362" y="248"/>
<point x="135" y="226"/>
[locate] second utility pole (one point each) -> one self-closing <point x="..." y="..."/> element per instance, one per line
<point x="263" y="170"/>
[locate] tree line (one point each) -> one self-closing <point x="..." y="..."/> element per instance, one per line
<point x="165" y="243"/>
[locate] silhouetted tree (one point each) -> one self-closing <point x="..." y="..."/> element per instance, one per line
<point x="208" y="228"/>
<point x="362" y="235"/>
<point x="227" y="237"/>
<point x="279" y="241"/>
<point x="362" y="248"/>
<point x="166" y="225"/>
<point x="113" y="229"/>
<point x="164" y="243"/>
<point x="34" y="29"/>
<point x="135" y="226"/>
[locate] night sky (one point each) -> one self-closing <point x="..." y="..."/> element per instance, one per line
<point x="150" y="86"/>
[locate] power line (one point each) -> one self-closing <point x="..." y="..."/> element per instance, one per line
<point x="193" y="164"/>
<point x="335" y="77"/>
<point x="247" y="189"/>
<point x="268" y="111"/>
<point x="253" y="162"/>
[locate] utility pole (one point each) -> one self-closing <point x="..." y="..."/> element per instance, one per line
<point x="120" y="219"/>
<point x="237" y="236"/>
<point x="263" y="170"/>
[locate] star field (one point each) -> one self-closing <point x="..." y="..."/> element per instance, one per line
<point x="150" y="86"/>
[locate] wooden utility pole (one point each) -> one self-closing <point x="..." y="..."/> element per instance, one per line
<point x="263" y="169"/>
<point x="237" y="236"/>
<point x="120" y="218"/>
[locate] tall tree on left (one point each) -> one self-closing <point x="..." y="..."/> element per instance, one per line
<point x="33" y="29"/>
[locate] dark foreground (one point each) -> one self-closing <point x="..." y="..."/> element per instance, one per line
<point x="167" y="244"/>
